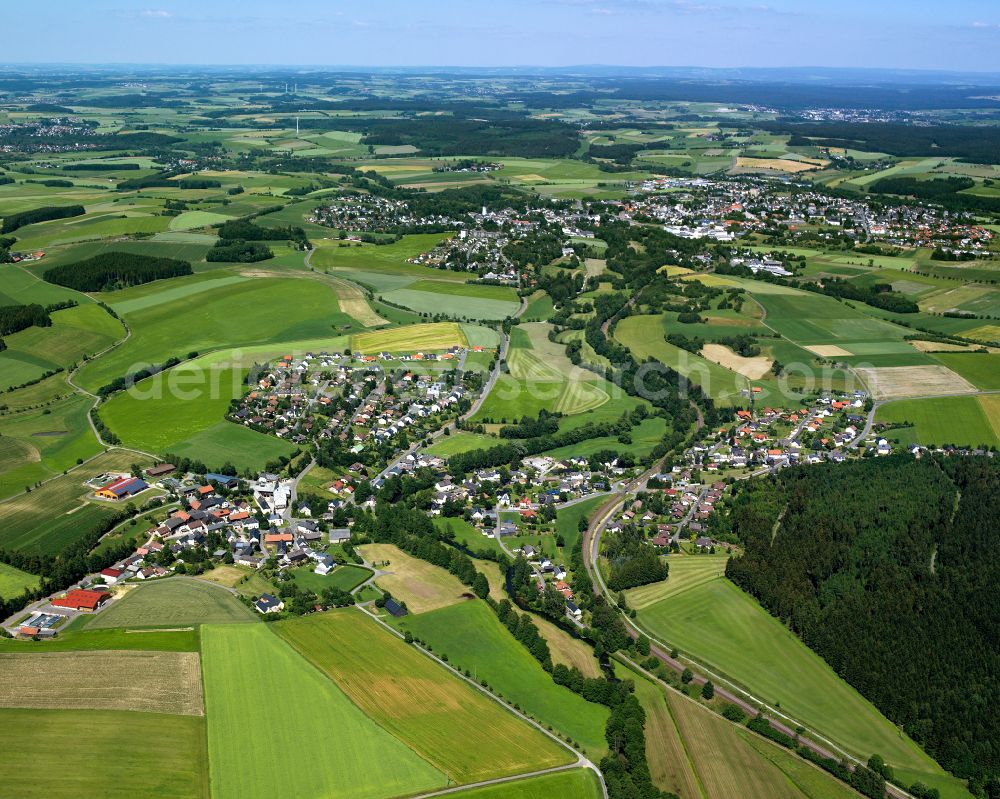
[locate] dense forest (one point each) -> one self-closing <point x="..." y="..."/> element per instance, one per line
<point x="967" y="142"/>
<point x="12" y="222"/>
<point x="885" y="567"/>
<point x="943" y="191"/>
<point x="509" y="135"/>
<point x="19" y="317"/>
<point x="115" y="270"/>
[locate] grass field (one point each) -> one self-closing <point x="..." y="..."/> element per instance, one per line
<point x="727" y="630"/>
<point x="422" y="586"/>
<point x="410" y="339"/>
<point x="114" y="754"/>
<point x="74" y="333"/>
<point x="456" y="443"/>
<point x="14" y="582"/>
<point x="50" y="517"/>
<point x="73" y="638"/>
<point x="146" y="681"/>
<point x="182" y="411"/>
<point x="980" y="369"/>
<point x="473" y="638"/>
<point x="39" y="443"/>
<point x="258" y="311"/>
<point x="962" y="421"/>
<point x="444" y="720"/>
<point x="693" y="752"/>
<point x="541" y="377"/>
<point x="294" y="707"/>
<point x="173" y="602"/>
<point x="346" y="578"/>
<point x="570" y="784"/>
<point x="566" y="649"/>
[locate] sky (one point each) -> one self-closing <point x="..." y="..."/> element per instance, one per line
<point x="909" y="34"/>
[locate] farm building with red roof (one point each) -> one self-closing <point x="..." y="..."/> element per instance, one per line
<point x="81" y="599"/>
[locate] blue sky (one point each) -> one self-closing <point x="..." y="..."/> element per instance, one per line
<point x="916" y="34"/>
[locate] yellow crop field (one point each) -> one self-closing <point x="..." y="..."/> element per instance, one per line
<point x="410" y="339"/>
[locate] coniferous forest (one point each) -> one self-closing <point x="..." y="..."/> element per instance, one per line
<point x="889" y="568"/>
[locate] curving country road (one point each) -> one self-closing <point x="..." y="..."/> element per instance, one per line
<point x="724" y="689"/>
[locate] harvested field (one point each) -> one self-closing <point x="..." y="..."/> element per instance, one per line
<point x="778" y="164"/>
<point x="754" y="368"/>
<point x="984" y="333"/>
<point x="151" y="682"/>
<point x="419" y="584"/>
<point x="828" y="351"/>
<point x="895" y="382"/>
<point x="940" y="346"/>
<point x="354" y="303"/>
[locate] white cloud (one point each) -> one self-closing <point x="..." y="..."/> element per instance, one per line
<point x="152" y="13"/>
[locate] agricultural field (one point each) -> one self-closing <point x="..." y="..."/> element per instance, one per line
<point x="14" y="582"/>
<point x="141" y="681"/>
<point x="541" y="377"/>
<point x="962" y="421"/>
<point x="75" y="638"/>
<point x="250" y="312"/>
<point x="173" y="602"/>
<point x="75" y="333"/>
<point x="58" y="513"/>
<point x="980" y="369"/>
<point x="182" y="411"/>
<point x="113" y="753"/>
<point x="294" y="702"/>
<point x="576" y="783"/>
<point x="473" y="638"/>
<point x="693" y="751"/>
<point x="741" y="640"/>
<point x="421" y="585"/>
<point x="385" y="271"/>
<point x="434" y="337"/>
<point x="454" y="727"/>
<point x="40" y="443"/>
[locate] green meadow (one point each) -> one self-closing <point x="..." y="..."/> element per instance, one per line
<point x="182" y="411"/>
<point x="962" y="421"/>
<point x="116" y="754"/>
<point x="74" y="334"/>
<point x="473" y="638"/>
<point x="715" y="623"/>
<point x="14" y="582"/>
<point x="173" y="602"/>
<point x="37" y="444"/>
<point x="264" y="700"/>
<point x="253" y="312"/>
<point x="575" y="783"/>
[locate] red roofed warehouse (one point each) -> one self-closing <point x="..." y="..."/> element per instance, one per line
<point x="123" y="487"/>
<point x="79" y="599"/>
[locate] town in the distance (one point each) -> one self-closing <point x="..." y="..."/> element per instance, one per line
<point x="499" y="434"/>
